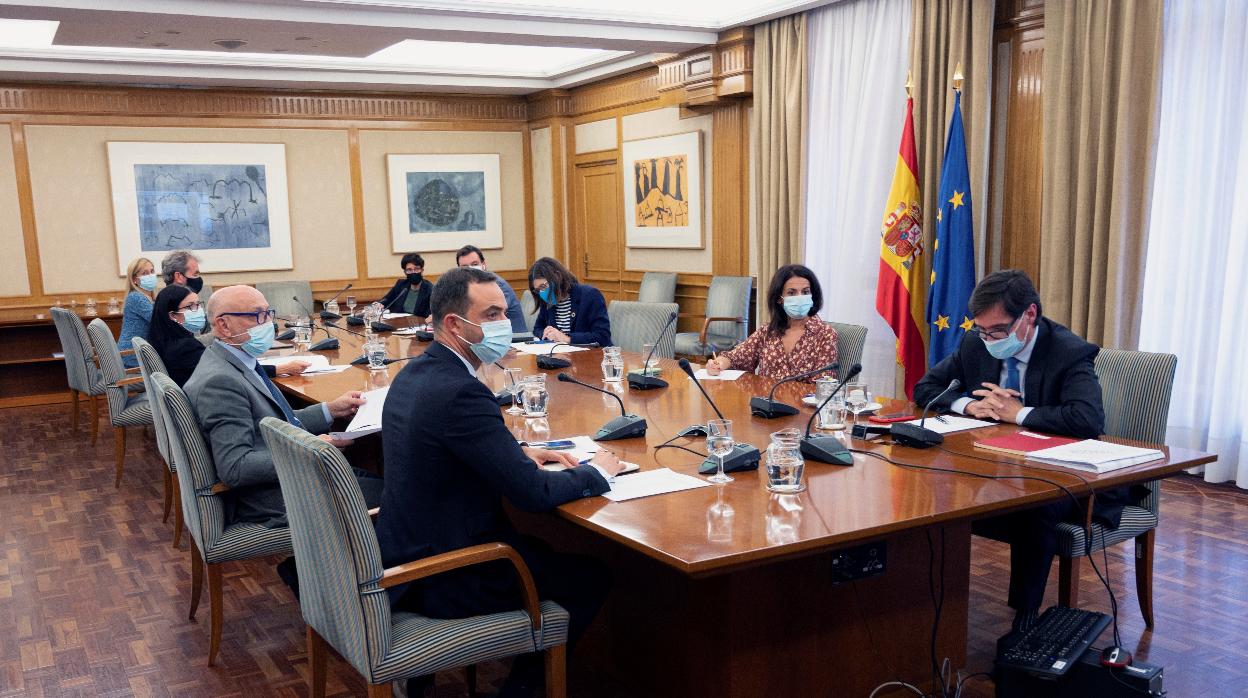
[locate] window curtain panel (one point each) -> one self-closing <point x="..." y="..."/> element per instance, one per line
<point x="859" y="54"/>
<point x="943" y="34"/>
<point x="1195" y="284"/>
<point x="1101" y="84"/>
<point x="780" y="89"/>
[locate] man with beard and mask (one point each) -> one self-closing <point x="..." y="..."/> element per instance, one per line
<point x="410" y="294"/>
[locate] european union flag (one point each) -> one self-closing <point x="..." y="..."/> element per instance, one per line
<point x="953" y="255"/>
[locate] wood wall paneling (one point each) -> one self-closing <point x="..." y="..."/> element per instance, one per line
<point x="26" y="204"/>
<point x="597" y="240"/>
<point x="730" y="181"/>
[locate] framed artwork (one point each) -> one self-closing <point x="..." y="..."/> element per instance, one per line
<point x="443" y="202"/>
<point x="663" y="191"/>
<point x="226" y="201"/>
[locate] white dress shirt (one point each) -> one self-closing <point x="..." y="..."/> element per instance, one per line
<point x="1023" y="357"/>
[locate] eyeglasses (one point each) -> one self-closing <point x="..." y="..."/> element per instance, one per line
<point x="190" y="306"/>
<point x="995" y="333"/>
<point x="260" y="316"/>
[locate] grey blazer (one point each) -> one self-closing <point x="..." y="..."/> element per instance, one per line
<point x="230" y="400"/>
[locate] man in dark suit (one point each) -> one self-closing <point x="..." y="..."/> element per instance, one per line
<point x="1020" y="367"/>
<point x="450" y="460"/>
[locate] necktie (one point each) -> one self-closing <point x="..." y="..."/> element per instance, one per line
<point x="1011" y="374"/>
<point x="277" y="397"/>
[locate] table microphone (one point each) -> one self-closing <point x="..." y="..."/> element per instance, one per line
<point x="743" y="456"/>
<point x="360" y="361"/>
<point x="331" y="342"/>
<point x="377" y="326"/>
<point x="624" y="426"/>
<point x="824" y="448"/>
<point x="768" y="408"/>
<point x="915" y="435"/>
<point x="549" y="360"/>
<point x="643" y="380"/>
<point x="325" y="314"/>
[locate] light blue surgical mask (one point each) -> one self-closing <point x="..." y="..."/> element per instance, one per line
<point x="495" y="342"/>
<point x="193" y="320"/>
<point x="1005" y="348"/>
<point x="547" y="295"/>
<point x="260" y="339"/>
<point x="798" y="307"/>
<point x="147" y="282"/>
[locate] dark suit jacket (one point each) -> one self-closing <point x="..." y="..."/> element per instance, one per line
<point x="589" y="317"/>
<point x="450" y="460"/>
<point x="397" y="296"/>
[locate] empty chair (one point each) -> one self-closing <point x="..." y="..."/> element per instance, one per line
<point x="212" y="542"/>
<point x="342" y="583"/>
<point x="657" y="287"/>
<point x="149" y="364"/>
<point x="634" y="324"/>
<point x="127" y="405"/>
<point x="1135" y="389"/>
<point x="282" y="296"/>
<point x="727" y="316"/>
<point x="528" y="304"/>
<point x="83" y="375"/>
<point x="850" y="340"/>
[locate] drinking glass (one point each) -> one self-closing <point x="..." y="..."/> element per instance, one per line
<point x="351" y="305"/>
<point x="535" y="395"/>
<point x="719" y="443"/>
<point x="612" y="365"/>
<point x="647" y="351"/>
<point x="90" y="307"/>
<point x="303" y="334"/>
<point x="858" y="396"/>
<point x="832" y="416"/>
<point x="331" y="307"/>
<point x="113" y="307"/>
<point x="784" y="462"/>
<point x="516" y="384"/>
<point x="376" y="353"/>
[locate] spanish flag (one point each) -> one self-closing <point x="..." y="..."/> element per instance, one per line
<point x="900" y="295"/>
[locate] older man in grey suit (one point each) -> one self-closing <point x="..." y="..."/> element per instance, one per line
<point x="230" y="394"/>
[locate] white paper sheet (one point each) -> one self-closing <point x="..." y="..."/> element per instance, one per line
<point x="1095" y="455"/>
<point x="951" y="423"/>
<point x="391" y="316"/>
<point x="537" y="349"/>
<point x="368" y="419"/>
<point x="337" y="368"/>
<point x="314" y="360"/>
<point x="725" y="375"/>
<point x="652" y="482"/>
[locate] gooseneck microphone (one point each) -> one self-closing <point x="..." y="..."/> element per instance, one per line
<point x="768" y="408"/>
<point x="325" y="314"/>
<point x="330" y="342"/>
<point x="643" y="380"/>
<point x="915" y="435"/>
<point x="360" y="361"/>
<point x="624" y="426"/>
<point x="743" y="456"/>
<point x="825" y="448"/>
<point x="550" y="361"/>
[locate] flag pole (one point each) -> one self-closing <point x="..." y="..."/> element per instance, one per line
<point x="957" y="77"/>
<point x="909" y="84"/>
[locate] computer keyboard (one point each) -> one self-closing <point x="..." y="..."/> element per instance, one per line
<point x="1057" y="640"/>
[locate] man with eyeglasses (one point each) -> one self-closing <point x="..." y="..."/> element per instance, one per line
<point x="231" y="393"/>
<point x="1019" y="367"/>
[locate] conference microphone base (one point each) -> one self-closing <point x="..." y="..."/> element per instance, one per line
<point x="353" y="320"/>
<point x="638" y="381"/>
<point x="505" y="397"/>
<point x="383" y="327"/>
<point x="288" y="334"/>
<point x="622" y="427"/>
<point x="770" y="409"/>
<point x="826" y="449"/>
<point x="423" y="335"/>
<point x="743" y="457"/>
<point x="362" y="361"/>
<point x="552" y="362"/>
<point x="915" y="436"/>
<point x="324" y="345"/>
<point x="326" y="315"/>
<point x="695" y="430"/>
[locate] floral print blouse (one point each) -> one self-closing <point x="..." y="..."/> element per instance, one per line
<point x="763" y="352"/>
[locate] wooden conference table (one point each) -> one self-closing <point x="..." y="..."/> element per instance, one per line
<point x="728" y="590"/>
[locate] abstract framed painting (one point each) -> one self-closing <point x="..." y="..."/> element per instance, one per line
<point x="443" y="202"/>
<point x="663" y="191"/>
<point x="226" y="201"/>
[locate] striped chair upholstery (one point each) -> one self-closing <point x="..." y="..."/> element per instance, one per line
<point x="340" y="569"/>
<point x="657" y="287"/>
<point x="150" y="363"/>
<point x="82" y="374"/>
<point x="126" y="407"/>
<point x="212" y="542"/>
<point x="528" y="304"/>
<point x="728" y="296"/>
<point x="850" y="340"/>
<point x="281" y="296"/>
<point x="634" y="324"/>
<point x="1135" y="389"/>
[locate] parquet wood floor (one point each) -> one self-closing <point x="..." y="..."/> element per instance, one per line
<point x="93" y="598"/>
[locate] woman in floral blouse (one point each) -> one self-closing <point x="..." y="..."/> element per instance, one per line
<point x="795" y="341"/>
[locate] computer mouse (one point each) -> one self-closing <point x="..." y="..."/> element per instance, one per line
<point x="1115" y="657"/>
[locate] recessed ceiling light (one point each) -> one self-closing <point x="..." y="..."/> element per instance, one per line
<point x="27" y="33"/>
<point x="454" y="54"/>
<point x="172" y="31"/>
<point x="303" y="38"/>
<point x="230" y="44"/>
<point x="160" y="44"/>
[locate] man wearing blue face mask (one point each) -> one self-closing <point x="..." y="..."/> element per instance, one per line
<point x="450" y="460"/>
<point x="1019" y="367"/>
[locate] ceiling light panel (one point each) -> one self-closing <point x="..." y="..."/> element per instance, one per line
<point x="495" y="58"/>
<point x="27" y="33"/>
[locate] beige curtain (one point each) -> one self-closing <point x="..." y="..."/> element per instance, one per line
<point x="1101" y="87"/>
<point x="779" y="127"/>
<point x="944" y="33"/>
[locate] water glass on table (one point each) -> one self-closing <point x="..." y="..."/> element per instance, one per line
<point x="536" y="398"/>
<point x="832" y="416"/>
<point x="857" y="396"/>
<point x="719" y="444"/>
<point x="650" y="367"/>
<point x="351" y="305"/>
<point x="515" y="383"/>
<point x="784" y="462"/>
<point x="303" y="334"/>
<point x="376" y="354"/>
<point x="612" y="365"/>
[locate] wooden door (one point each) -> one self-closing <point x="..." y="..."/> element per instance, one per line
<point x="596" y="241"/>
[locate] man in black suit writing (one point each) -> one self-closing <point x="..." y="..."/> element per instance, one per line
<point x="450" y="460"/>
<point x="1020" y="367"/>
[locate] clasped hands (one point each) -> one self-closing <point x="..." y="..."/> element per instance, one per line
<point x="604" y="459"/>
<point x="995" y="402"/>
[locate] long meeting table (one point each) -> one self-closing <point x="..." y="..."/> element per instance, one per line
<point x="734" y="591"/>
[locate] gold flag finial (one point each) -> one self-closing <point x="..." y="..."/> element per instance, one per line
<point x="957" y="77"/>
<point x="909" y="84"/>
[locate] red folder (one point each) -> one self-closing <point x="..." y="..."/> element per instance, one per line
<point x="1023" y="442"/>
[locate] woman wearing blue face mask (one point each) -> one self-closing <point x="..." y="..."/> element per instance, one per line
<point x="568" y="311"/>
<point x="795" y="341"/>
<point x="177" y="318"/>
<point x="141" y="288"/>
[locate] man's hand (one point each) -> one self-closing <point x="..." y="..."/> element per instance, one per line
<point x="292" y="368"/>
<point x="980" y="410"/>
<point x="346" y="405"/>
<point x="541" y="456"/>
<point x="608" y="461"/>
<point x="1004" y="402"/>
<point x="336" y="443"/>
<point x="553" y="334"/>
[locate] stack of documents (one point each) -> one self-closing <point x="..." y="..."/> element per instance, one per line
<point x="368" y="419"/>
<point x="949" y="423"/>
<point x="538" y="348"/>
<point x="317" y="363"/>
<point x="1095" y="456"/>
